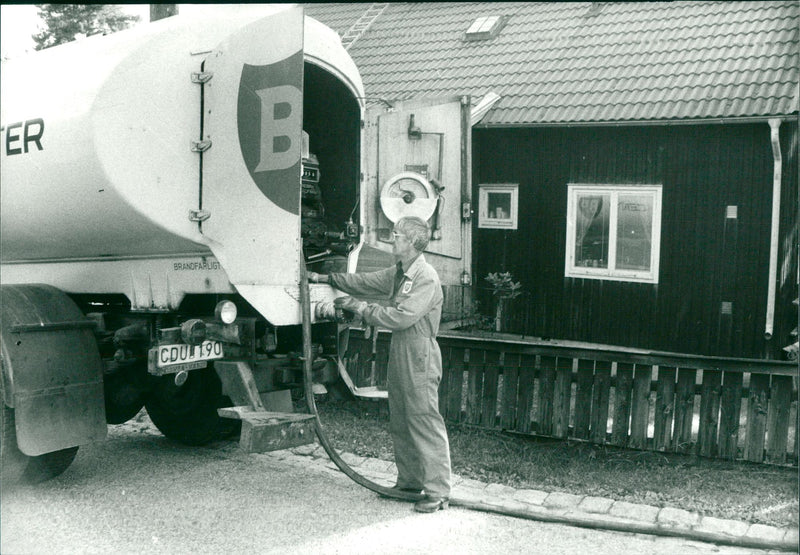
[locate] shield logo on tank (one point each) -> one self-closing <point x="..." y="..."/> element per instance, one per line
<point x="270" y="125"/>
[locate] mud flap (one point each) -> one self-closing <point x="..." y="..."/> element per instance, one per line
<point x="52" y="363"/>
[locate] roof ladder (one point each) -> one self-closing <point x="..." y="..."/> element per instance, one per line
<point x="359" y="27"/>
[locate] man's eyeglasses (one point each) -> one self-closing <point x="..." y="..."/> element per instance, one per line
<point x="397" y="234"/>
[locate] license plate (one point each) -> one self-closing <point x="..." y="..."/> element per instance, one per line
<point x="168" y="355"/>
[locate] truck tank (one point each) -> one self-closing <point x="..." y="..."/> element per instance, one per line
<point x="107" y="187"/>
<point x="151" y="180"/>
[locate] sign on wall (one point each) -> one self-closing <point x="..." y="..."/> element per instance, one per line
<point x="498" y="206"/>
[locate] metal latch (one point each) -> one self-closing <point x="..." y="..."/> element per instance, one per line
<point x="201" y="77"/>
<point x="200" y="146"/>
<point x="199" y="215"/>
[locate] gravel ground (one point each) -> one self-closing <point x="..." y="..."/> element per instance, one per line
<point x="140" y="493"/>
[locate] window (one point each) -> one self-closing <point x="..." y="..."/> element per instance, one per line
<point x="498" y="206"/>
<point x="485" y="27"/>
<point x="613" y="232"/>
<point x="483" y="24"/>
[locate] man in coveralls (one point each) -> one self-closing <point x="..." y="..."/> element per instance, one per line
<point x="421" y="448"/>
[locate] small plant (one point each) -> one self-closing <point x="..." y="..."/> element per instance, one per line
<point x="503" y="285"/>
<point x="504" y="288"/>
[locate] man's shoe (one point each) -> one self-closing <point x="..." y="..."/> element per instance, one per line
<point x="398" y="489"/>
<point x="431" y="504"/>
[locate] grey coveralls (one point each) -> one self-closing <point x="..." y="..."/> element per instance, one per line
<point x="421" y="448"/>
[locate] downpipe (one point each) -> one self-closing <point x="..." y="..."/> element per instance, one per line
<point x="305" y="306"/>
<point x="774" y="126"/>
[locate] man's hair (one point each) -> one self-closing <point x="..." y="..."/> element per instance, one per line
<point x="416" y="230"/>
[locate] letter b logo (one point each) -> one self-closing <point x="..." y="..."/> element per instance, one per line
<point x="270" y="127"/>
<point x="281" y="113"/>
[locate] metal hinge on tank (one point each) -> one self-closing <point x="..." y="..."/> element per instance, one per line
<point x="201" y="77"/>
<point x="200" y="146"/>
<point x="199" y="215"/>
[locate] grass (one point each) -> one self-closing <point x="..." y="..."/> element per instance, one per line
<point x="750" y="492"/>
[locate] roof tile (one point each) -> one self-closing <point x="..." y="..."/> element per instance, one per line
<point x="581" y="62"/>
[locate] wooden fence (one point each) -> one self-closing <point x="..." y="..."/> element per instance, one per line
<point x="709" y="406"/>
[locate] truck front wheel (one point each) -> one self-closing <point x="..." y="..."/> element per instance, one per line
<point x="188" y="413"/>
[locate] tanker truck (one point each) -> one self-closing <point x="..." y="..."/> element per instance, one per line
<point x="162" y="191"/>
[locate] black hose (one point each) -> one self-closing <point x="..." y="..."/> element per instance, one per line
<point x="305" y="305"/>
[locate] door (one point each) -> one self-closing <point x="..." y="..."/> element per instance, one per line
<point x="253" y="117"/>
<point x="429" y="138"/>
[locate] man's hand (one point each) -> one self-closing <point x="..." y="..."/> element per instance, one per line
<point x="350" y="304"/>
<point x="314" y="277"/>
<point x="325" y="311"/>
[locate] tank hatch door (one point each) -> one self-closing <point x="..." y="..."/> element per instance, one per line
<point x="253" y="116"/>
<point x="417" y="158"/>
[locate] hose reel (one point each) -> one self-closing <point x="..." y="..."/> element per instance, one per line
<point x="408" y="194"/>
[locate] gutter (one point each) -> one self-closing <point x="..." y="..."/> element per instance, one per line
<point x="629" y="123"/>
<point x="774" y="126"/>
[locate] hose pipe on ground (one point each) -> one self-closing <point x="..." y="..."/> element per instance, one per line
<point x="305" y="306"/>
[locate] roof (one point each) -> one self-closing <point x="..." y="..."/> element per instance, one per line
<point x="583" y="62"/>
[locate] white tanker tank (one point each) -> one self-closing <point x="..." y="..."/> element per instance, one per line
<point x="165" y="160"/>
<point x="146" y="176"/>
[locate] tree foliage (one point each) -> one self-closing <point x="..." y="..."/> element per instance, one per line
<point x="67" y="22"/>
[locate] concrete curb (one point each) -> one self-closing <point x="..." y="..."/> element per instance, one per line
<point x="575" y="510"/>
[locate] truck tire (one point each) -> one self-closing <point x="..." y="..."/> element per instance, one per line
<point x="15" y="466"/>
<point x="123" y="392"/>
<point x="188" y="413"/>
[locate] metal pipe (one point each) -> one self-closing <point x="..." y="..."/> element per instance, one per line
<point x="774" y="126"/>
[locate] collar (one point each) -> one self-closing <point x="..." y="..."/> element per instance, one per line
<point x="405" y="267"/>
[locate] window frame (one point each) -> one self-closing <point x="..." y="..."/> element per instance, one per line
<point x="485" y="221"/>
<point x="612" y="273"/>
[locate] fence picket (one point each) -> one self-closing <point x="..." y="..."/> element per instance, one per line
<point x="665" y="408"/>
<point x="380" y="368"/>
<point x="455" y="384"/>
<point x="780" y="403"/>
<point x="363" y="359"/>
<point x="489" y="404"/>
<point x="797" y="436"/>
<point x="527" y="376"/>
<point x="640" y="406"/>
<point x="547" y="377"/>
<point x="622" y="404"/>
<point x="562" y="393"/>
<point x="730" y="412"/>
<point x="601" y="393"/>
<point x="583" y="398"/>
<point x="508" y="420"/>
<point x="709" y="413"/>
<point x="757" y="407"/>
<point x="684" y="410"/>
<point x="475" y="385"/>
<point x="444" y="383"/>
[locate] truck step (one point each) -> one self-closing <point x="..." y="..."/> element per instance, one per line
<point x="264" y="431"/>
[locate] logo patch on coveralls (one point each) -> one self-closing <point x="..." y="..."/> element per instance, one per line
<point x="407" y="287"/>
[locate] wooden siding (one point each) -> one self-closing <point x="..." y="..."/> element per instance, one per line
<point x="708" y="406"/>
<point x="706" y="258"/>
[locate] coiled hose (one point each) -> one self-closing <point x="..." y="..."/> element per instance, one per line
<point x="305" y="306"/>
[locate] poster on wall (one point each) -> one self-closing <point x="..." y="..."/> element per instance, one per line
<point x="498" y="206"/>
